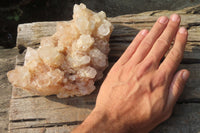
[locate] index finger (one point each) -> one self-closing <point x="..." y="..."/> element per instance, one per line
<point x="173" y="59"/>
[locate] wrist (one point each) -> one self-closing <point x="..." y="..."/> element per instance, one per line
<point x="105" y="121"/>
<point x="100" y="121"/>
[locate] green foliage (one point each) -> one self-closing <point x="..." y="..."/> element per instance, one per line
<point x="15" y="15"/>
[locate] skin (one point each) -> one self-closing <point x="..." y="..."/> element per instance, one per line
<point x="139" y="92"/>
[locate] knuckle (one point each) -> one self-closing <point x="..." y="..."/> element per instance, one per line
<point x="147" y="42"/>
<point x="166" y="68"/>
<point x="175" y="87"/>
<point x="163" y="42"/>
<point x="173" y="26"/>
<point x="159" y="80"/>
<point x="150" y="61"/>
<point x="153" y="58"/>
<point x="163" y="73"/>
<point x="176" y="54"/>
<point x="178" y="85"/>
<point x="145" y="67"/>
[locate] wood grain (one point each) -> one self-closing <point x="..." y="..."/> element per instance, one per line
<point x="35" y="114"/>
<point x="185" y="119"/>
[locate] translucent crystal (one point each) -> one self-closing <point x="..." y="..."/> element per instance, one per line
<point x="99" y="59"/>
<point x="84" y="42"/>
<point x="51" y="56"/>
<point x="70" y="61"/>
<point x="87" y="72"/>
<point x="31" y="55"/>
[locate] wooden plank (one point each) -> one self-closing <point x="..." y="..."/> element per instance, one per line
<point x="49" y="111"/>
<point x="120" y="39"/>
<point x="35" y="104"/>
<point x="191" y="91"/>
<point x="126" y="27"/>
<point x="191" y="53"/>
<point x="135" y="20"/>
<point x="61" y="129"/>
<point x="36" y="112"/>
<point x="194" y="33"/>
<point x="185" y="119"/>
<point x="31" y="111"/>
<point x="33" y="36"/>
<point x="192" y="88"/>
<point x="34" y="32"/>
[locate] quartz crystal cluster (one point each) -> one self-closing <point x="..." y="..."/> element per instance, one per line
<point x="70" y="61"/>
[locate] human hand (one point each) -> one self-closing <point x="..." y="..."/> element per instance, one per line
<point x="139" y="92"/>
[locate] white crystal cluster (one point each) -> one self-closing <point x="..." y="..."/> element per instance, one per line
<point x="70" y="61"/>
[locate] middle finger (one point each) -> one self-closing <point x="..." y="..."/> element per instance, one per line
<point x="163" y="43"/>
<point x="148" y="41"/>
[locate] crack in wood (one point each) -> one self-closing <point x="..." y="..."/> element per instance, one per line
<point x="3" y="113"/>
<point x="189" y="25"/>
<point x="26" y="120"/>
<point x="141" y="22"/>
<point x="193" y="100"/>
<point x="190" y="61"/>
<point x="194" y="10"/>
<point x="48" y="125"/>
<point x="153" y="13"/>
<point x="34" y="96"/>
<point x="189" y="42"/>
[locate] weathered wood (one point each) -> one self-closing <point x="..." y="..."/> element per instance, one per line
<point x="192" y="88"/>
<point x="29" y="34"/>
<point x="191" y="91"/>
<point x="34" y="114"/>
<point x="55" y="129"/>
<point x="33" y="111"/>
<point x="126" y="25"/>
<point x="120" y="39"/>
<point x="49" y="111"/>
<point x="185" y="119"/>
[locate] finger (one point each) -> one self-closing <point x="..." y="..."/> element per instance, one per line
<point x="163" y="43"/>
<point x="149" y="40"/>
<point x="132" y="47"/>
<point x="175" y="55"/>
<point x="176" y="87"/>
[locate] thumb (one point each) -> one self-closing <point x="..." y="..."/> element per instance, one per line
<point x="176" y="87"/>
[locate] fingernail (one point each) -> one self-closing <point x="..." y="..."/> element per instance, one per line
<point x="175" y="17"/>
<point x="163" y="20"/>
<point x="185" y="75"/>
<point x="144" y="32"/>
<point x="182" y="30"/>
